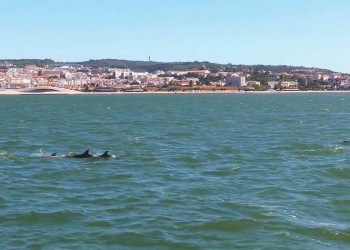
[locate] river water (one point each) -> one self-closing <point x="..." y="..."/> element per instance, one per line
<point x="192" y="171"/>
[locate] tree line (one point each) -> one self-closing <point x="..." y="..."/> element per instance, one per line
<point x="151" y="66"/>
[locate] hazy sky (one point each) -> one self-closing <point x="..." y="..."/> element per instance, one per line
<point x="313" y="33"/>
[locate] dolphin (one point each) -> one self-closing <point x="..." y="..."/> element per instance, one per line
<point x="50" y="155"/>
<point x="83" y="155"/>
<point x="105" y="155"/>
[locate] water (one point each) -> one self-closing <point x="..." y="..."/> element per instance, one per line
<point x="215" y="171"/>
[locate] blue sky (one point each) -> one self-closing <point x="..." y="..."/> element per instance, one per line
<point x="313" y="33"/>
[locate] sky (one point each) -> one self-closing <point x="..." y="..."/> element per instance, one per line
<point x="310" y="33"/>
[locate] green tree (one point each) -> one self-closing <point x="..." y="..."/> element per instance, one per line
<point x="278" y="86"/>
<point x="206" y="81"/>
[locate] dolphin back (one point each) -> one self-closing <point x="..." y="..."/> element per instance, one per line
<point x="83" y="155"/>
<point x="105" y="155"/>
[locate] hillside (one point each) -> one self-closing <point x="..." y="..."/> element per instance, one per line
<point x="153" y="66"/>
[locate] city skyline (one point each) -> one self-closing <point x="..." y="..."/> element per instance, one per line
<point x="299" y="33"/>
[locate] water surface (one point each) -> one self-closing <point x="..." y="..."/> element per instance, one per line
<point x="206" y="171"/>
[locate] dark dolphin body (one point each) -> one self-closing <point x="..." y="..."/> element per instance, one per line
<point x="83" y="155"/>
<point x="105" y="155"/>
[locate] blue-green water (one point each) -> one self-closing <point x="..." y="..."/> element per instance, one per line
<point x="216" y="171"/>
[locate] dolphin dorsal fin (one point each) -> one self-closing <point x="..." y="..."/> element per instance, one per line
<point x="86" y="152"/>
<point x="54" y="154"/>
<point x="105" y="154"/>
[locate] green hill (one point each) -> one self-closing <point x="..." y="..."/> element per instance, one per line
<point x="153" y="66"/>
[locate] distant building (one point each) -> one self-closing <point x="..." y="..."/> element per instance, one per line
<point x="131" y="77"/>
<point x="48" y="73"/>
<point x="83" y="70"/>
<point x="325" y="77"/>
<point x="193" y="79"/>
<point x="252" y="83"/>
<point x="97" y="71"/>
<point x="317" y="76"/>
<point x="272" y="84"/>
<point x="234" y="80"/>
<point x="5" y="64"/>
<point x="334" y="76"/>
<point x="199" y="72"/>
<point x="179" y="73"/>
<point x="159" y="72"/>
<point x="67" y="75"/>
<point x="289" y="85"/>
<point x="65" y="65"/>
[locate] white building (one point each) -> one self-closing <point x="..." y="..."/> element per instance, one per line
<point x="234" y="80"/>
<point x="272" y="84"/>
<point x="289" y="85"/>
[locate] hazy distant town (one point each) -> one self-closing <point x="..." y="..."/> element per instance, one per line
<point x="78" y="77"/>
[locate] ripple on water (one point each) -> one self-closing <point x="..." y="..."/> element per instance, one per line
<point x="104" y="179"/>
<point x="2" y="202"/>
<point x="153" y="239"/>
<point x="324" y="233"/>
<point x="222" y="171"/>
<point x="233" y="225"/>
<point x="59" y="217"/>
<point x="340" y="173"/>
<point x="98" y="223"/>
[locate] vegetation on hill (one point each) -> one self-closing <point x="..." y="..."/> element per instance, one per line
<point x="24" y="62"/>
<point x="151" y="66"/>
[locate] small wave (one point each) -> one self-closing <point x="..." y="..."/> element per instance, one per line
<point x="135" y="239"/>
<point x="168" y="177"/>
<point x="341" y="202"/>
<point x="109" y="177"/>
<point x="148" y="158"/>
<point x="53" y="217"/>
<point x="324" y="232"/>
<point x="212" y="156"/>
<point x="6" y="155"/>
<point x="2" y="202"/>
<point x="179" y="134"/>
<point x="169" y="201"/>
<point x="341" y="173"/>
<point x="226" y="225"/>
<point x="38" y="153"/>
<point x="337" y="148"/>
<point x="223" y="171"/>
<point x="200" y="191"/>
<point x="101" y="223"/>
<point x="228" y="150"/>
<point x="127" y="238"/>
<point x="104" y="201"/>
<point x="188" y="159"/>
<point x="119" y="210"/>
<point x="41" y="153"/>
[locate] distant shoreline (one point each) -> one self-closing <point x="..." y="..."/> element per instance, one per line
<point x="73" y="92"/>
